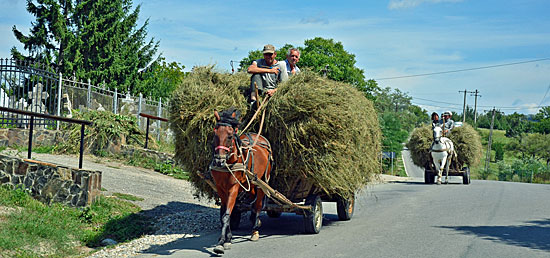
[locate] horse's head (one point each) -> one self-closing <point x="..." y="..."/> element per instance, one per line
<point x="225" y="136"/>
<point x="437" y="132"/>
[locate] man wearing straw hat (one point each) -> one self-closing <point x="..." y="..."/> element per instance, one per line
<point x="266" y="73"/>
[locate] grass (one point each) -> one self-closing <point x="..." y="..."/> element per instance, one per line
<point x="165" y="168"/>
<point x="32" y="229"/>
<point x="128" y="197"/>
<point x="398" y="167"/>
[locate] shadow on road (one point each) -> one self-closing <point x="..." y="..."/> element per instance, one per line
<point x="533" y="234"/>
<point x="288" y="224"/>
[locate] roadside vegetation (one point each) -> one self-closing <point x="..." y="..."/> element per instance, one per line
<point x="29" y="228"/>
<point x="523" y="158"/>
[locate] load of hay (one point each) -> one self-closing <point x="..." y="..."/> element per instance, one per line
<point x="466" y="140"/>
<point x="320" y="130"/>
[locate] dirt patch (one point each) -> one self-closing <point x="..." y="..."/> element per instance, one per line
<point x="4" y="211"/>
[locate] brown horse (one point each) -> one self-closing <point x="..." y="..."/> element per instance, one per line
<point x="232" y="155"/>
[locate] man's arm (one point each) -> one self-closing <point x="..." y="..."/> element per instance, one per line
<point x="283" y="76"/>
<point x="253" y="68"/>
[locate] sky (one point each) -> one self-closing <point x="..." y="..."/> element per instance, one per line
<point x="500" y="48"/>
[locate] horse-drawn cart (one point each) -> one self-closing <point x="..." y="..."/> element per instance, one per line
<point x="454" y="169"/>
<point x="300" y="197"/>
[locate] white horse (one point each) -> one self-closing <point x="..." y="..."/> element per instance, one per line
<point x="442" y="152"/>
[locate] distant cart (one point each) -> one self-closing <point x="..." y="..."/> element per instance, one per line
<point x="454" y="169"/>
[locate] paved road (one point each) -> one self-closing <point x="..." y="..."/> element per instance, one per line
<point x="404" y="219"/>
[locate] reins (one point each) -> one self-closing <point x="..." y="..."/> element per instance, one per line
<point x="250" y="148"/>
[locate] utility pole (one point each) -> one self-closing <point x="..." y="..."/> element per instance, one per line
<point x="464" y="107"/>
<point x="475" y="107"/>
<point x="488" y="154"/>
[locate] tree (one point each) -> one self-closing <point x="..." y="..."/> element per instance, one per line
<point x="393" y="132"/>
<point x="160" y="79"/>
<point x="92" y="39"/>
<point x="399" y="105"/>
<point x="49" y="35"/>
<point x="543" y="124"/>
<point x="109" y="46"/>
<point x="518" y="125"/>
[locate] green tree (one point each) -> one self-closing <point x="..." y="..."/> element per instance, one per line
<point x="393" y="132"/>
<point x="543" y="118"/>
<point x="327" y="56"/>
<point x="49" y="35"/>
<point x="399" y="104"/>
<point x="531" y="145"/>
<point x="160" y="79"/>
<point x="92" y="39"/>
<point x="518" y="125"/>
<point x="109" y="46"/>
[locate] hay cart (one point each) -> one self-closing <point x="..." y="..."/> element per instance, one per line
<point x="300" y="197"/>
<point x="454" y="169"/>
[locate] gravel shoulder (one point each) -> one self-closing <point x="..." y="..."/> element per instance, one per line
<point x="169" y="202"/>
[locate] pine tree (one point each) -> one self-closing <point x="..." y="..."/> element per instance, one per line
<point x="108" y="47"/>
<point x="49" y="34"/>
<point x="92" y="39"/>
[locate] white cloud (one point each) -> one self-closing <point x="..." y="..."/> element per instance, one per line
<point x="401" y="4"/>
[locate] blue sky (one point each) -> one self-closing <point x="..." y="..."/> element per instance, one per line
<point x="390" y="38"/>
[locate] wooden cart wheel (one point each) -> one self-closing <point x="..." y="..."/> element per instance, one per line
<point x="428" y="178"/>
<point x="313" y="219"/>
<point x="345" y="207"/>
<point x="466" y="176"/>
<point x="274" y="214"/>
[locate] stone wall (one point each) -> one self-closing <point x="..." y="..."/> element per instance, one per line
<point x="51" y="183"/>
<point x="20" y="137"/>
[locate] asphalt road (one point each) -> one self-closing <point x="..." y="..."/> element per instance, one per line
<point x="403" y="219"/>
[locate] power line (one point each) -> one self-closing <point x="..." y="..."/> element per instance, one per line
<point x="542" y="100"/>
<point x="456" y="105"/>
<point x="462" y="70"/>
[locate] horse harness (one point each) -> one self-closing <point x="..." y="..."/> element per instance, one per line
<point x="245" y="143"/>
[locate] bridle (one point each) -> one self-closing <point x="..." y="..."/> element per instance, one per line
<point x="235" y="142"/>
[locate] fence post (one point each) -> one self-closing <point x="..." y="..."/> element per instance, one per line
<point x="89" y="96"/>
<point x="59" y="98"/>
<point x="159" y="114"/>
<point x="139" y="109"/>
<point x="115" y="100"/>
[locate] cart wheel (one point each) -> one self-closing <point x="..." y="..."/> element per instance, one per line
<point x="427" y="177"/>
<point x="466" y="176"/>
<point x="235" y="219"/>
<point x="313" y="219"/>
<point x="345" y="207"/>
<point x="274" y="214"/>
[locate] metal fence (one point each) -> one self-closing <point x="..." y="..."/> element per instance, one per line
<point x="29" y="87"/>
<point x="32" y="87"/>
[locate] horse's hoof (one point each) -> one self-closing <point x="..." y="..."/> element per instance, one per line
<point x="226" y="246"/>
<point x="255" y="236"/>
<point x="438" y="182"/>
<point x="219" y="249"/>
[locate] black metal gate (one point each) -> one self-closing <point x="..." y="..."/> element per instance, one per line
<point x="30" y="87"/>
